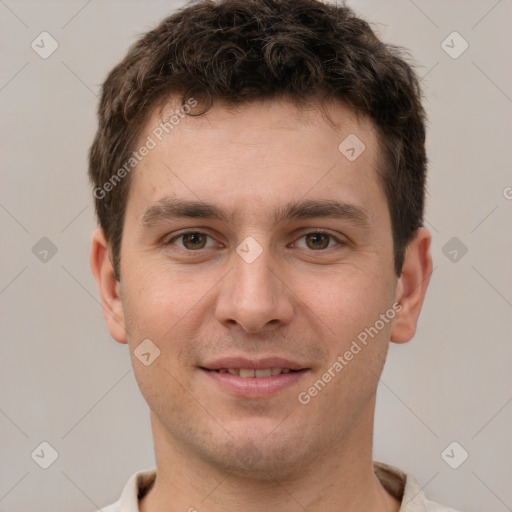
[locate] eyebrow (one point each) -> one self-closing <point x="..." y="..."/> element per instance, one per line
<point x="171" y="209"/>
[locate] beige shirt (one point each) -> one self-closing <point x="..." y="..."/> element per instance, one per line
<point x="403" y="487"/>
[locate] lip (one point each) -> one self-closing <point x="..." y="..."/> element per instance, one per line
<point x="255" y="387"/>
<point x="253" y="364"/>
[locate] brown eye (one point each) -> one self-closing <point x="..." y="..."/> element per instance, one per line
<point x="317" y="240"/>
<point x="194" y="240"/>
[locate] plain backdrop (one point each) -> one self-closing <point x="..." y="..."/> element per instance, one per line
<point x="65" y="382"/>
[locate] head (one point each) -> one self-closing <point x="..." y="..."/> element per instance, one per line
<point x="233" y="223"/>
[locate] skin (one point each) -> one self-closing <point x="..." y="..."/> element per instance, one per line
<point x="197" y="301"/>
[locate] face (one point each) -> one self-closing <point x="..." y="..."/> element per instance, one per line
<point x="255" y="256"/>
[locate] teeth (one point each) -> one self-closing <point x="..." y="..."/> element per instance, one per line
<point x="250" y="373"/>
<point x="267" y="372"/>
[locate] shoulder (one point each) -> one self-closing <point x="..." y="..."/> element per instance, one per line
<point x="406" y="489"/>
<point x="138" y="485"/>
<point x="432" y="506"/>
<point x="110" y="508"/>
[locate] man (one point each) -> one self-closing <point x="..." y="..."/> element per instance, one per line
<point x="259" y="175"/>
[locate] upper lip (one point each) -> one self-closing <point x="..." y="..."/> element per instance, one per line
<point x="253" y="364"/>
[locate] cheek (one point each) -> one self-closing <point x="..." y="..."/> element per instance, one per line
<point x="346" y="301"/>
<point x="348" y="311"/>
<point x="159" y="299"/>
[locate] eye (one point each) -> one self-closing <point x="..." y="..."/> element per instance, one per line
<point x="319" y="240"/>
<point x="191" y="241"/>
<point x="196" y="240"/>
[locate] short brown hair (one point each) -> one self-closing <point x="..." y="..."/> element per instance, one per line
<point x="244" y="50"/>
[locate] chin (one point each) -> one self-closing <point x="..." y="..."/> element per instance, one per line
<point x="258" y="457"/>
<point x="264" y="468"/>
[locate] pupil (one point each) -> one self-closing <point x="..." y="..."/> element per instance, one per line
<point x="317" y="240"/>
<point x="193" y="239"/>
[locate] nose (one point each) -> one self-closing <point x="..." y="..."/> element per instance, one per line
<point x="254" y="295"/>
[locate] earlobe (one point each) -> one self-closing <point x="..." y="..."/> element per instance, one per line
<point x="109" y="288"/>
<point x="412" y="286"/>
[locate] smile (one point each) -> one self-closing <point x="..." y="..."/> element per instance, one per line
<point x="251" y="383"/>
<point x="248" y="373"/>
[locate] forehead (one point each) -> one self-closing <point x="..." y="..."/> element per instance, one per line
<point x="245" y="122"/>
<point x="269" y="151"/>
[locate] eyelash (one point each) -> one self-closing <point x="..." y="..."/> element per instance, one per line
<point x="315" y="232"/>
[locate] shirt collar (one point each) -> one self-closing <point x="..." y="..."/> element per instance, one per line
<point x="403" y="487"/>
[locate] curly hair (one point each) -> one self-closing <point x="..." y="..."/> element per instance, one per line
<point x="244" y="50"/>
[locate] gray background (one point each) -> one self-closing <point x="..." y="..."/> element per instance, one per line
<point x="65" y="381"/>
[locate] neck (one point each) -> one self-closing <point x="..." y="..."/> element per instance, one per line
<point x="342" y="478"/>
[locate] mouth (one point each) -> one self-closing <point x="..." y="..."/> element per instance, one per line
<point x="249" y="373"/>
<point x="247" y="378"/>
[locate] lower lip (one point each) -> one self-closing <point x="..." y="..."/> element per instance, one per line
<point x="254" y="386"/>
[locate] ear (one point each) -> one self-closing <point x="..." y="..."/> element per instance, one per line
<point x="109" y="288"/>
<point x="412" y="286"/>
